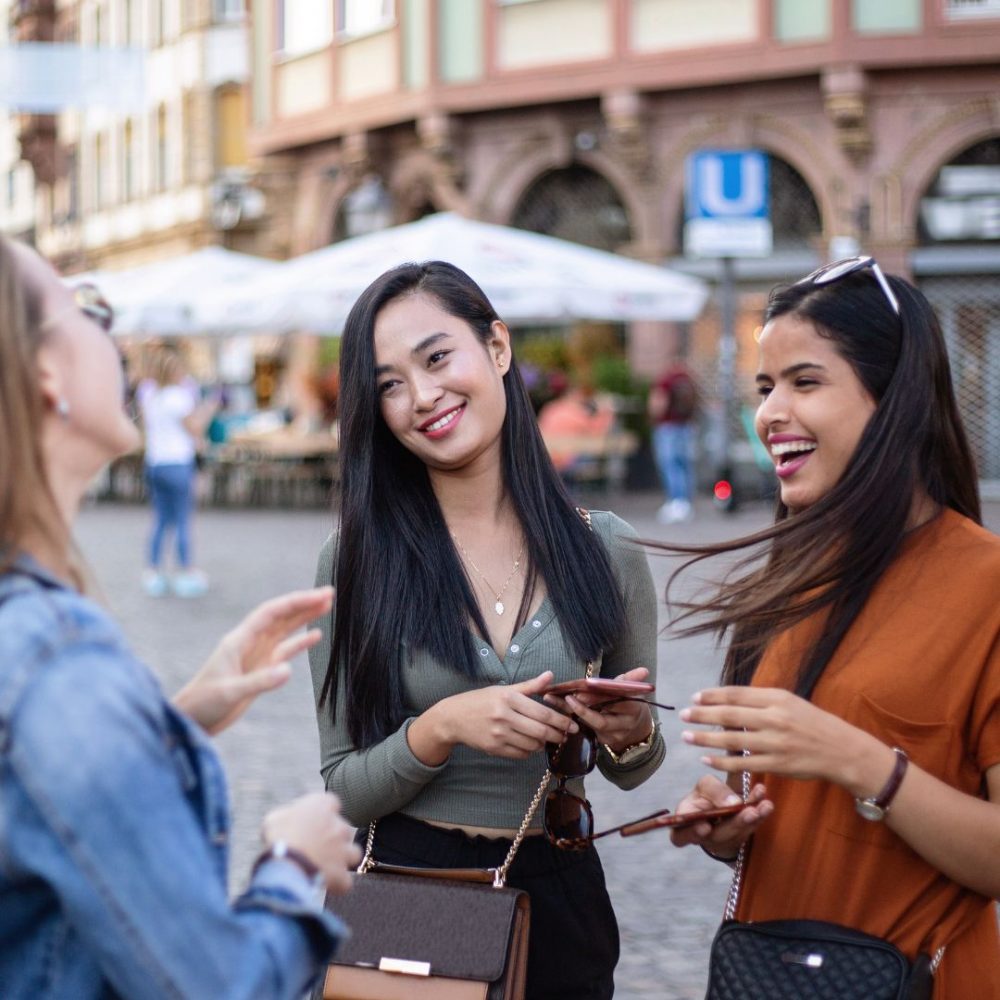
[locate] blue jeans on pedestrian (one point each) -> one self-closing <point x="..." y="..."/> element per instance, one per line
<point x="673" y="445"/>
<point x="171" y="488"/>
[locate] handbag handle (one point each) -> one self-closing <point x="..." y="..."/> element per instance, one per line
<point x="734" y="887"/>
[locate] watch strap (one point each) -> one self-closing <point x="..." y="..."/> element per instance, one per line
<point x="280" y="851"/>
<point x="883" y="800"/>
<point x="630" y="753"/>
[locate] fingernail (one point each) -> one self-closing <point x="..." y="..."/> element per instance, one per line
<point x="732" y="800"/>
<point x="574" y="728"/>
<point x="686" y="714"/>
<point x="696" y="697"/>
<point x="687" y="736"/>
<point x="706" y="760"/>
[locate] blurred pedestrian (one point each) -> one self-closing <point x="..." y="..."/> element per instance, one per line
<point x="862" y="683"/>
<point x="574" y="427"/>
<point x="113" y="802"/>
<point x="672" y="409"/>
<point x="174" y="419"/>
<point x="467" y="581"/>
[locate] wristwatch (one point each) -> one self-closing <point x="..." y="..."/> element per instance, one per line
<point x="876" y="807"/>
<point x="636" y="750"/>
<point x="279" y="850"/>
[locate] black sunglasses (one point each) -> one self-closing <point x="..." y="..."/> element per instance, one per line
<point x="568" y="819"/>
<point x="851" y="265"/>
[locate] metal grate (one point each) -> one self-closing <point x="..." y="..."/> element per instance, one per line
<point x="969" y="310"/>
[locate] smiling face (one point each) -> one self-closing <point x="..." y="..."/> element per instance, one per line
<point x="813" y="411"/>
<point x="440" y="388"/>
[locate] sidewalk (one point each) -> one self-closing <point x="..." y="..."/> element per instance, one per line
<point x="669" y="902"/>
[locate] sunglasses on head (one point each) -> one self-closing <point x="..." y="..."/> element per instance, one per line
<point x="829" y="273"/>
<point x="568" y="819"/>
<point x="87" y="299"/>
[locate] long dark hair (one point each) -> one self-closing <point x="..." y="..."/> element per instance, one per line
<point x="830" y="556"/>
<point x="399" y="579"/>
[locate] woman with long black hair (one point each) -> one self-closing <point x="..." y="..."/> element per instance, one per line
<point x="466" y="583"/>
<point x="862" y="682"/>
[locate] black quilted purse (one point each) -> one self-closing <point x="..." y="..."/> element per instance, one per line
<point x="809" y="959"/>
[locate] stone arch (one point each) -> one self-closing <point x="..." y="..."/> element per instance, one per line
<point x="421" y="178"/>
<point x="577" y="203"/>
<point x="941" y="141"/>
<point x="515" y="174"/>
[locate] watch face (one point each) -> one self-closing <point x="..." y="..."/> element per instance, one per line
<point x="867" y="809"/>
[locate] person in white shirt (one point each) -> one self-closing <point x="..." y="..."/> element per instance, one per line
<point x="174" y="418"/>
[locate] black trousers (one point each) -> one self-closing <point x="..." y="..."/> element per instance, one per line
<point x="573" y="945"/>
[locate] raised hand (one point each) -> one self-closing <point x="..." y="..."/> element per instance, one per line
<point x="784" y="734"/>
<point x="253" y="658"/>
<point x="313" y="825"/>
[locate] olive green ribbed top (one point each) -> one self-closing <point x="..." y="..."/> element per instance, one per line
<point x="473" y="788"/>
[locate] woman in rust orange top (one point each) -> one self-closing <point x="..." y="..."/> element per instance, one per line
<point x="862" y="681"/>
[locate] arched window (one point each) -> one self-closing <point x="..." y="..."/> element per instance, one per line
<point x="365" y="209"/>
<point x="574" y="203"/>
<point x="962" y="204"/>
<point x="795" y="217"/>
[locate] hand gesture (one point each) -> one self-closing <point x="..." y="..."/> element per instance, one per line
<point x="503" y="720"/>
<point x="313" y="825"/>
<point x="252" y="658"/>
<point x="618" y="723"/>
<point x="784" y="733"/>
<point x="724" y="837"/>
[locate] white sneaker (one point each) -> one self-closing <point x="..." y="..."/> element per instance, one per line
<point x="674" y="511"/>
<point x="681" y="510"/>
<point x="189" y="583"/>
<point x="154" y="583"/>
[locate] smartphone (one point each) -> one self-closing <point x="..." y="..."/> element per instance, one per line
<point x="601" y="685"/>
<point x="678" y="821"/>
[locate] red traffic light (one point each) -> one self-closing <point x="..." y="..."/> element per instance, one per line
<point x="723" y="490"/>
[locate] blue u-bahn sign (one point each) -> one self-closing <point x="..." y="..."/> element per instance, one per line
<point x="726" y="204"/>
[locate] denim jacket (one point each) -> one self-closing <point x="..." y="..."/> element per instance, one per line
<point x="114" y="824"/>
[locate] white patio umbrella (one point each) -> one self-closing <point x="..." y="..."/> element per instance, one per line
<point x="162" y="298"/>
<point x="527" y="276"/>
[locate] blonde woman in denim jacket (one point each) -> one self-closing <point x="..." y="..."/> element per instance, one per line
<point x="113" y="812"/>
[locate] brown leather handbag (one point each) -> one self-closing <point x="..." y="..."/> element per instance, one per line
<point x="432" y="934"/>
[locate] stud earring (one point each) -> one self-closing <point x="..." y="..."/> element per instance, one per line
<point x="62" y="408"/>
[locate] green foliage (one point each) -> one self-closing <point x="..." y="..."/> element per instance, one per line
<point x="545" y="351"/>
<point x="328" y="355"/>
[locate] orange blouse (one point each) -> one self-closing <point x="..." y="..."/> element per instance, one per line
<point x="919" y="669"/>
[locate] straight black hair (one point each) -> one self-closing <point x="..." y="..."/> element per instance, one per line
<point x="830" y="556"/>
<point x="400" y="582"/>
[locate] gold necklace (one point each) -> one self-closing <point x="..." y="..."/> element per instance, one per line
<point x="499" y="606"/>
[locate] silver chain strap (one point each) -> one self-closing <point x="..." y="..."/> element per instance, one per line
<point x="734" y="887"/>
<point x="499" y="874"/>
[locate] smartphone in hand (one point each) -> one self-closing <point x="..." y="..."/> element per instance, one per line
<point x="606" y="686"/>
<point x="679" y="821"/>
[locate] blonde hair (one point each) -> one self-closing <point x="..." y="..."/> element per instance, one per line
<point x="27" y="505"/>
<point x="167" y="367"/>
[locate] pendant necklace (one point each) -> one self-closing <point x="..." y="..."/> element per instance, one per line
<point x="499" y="606"/>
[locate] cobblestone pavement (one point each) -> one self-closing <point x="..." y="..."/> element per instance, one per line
<point x="668" y="901"/>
